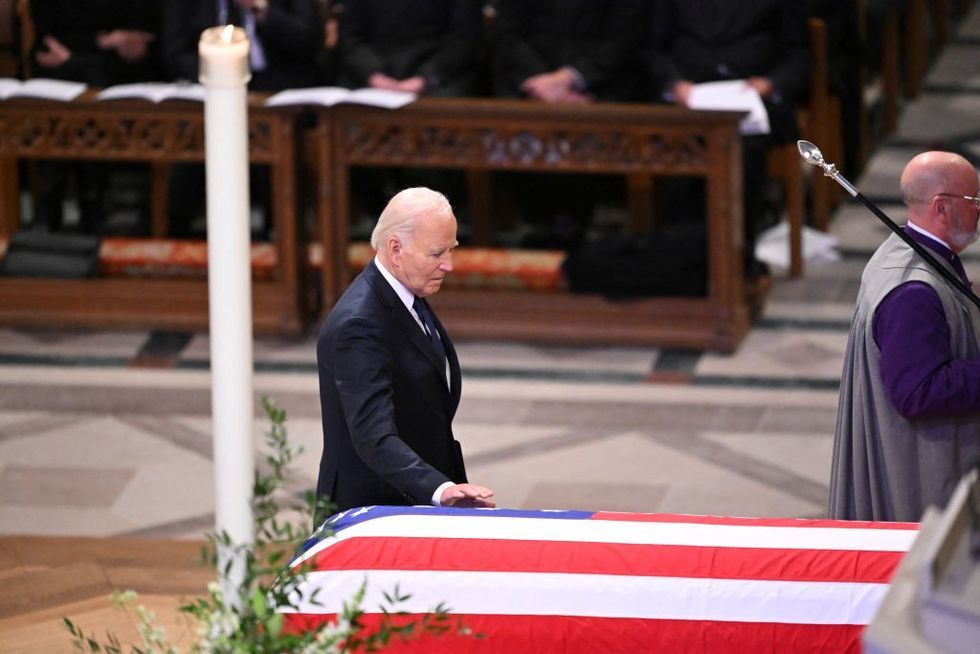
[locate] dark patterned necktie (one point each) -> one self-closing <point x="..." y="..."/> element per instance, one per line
<point x="428" y="325"/>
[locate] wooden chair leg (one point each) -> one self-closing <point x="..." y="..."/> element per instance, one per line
<point x="889" y="75"/>
<point x="480" y="193"/>
<point x="784" y="164"/>
<point x="9" y="197"/>
<point x="640" y="190"/>
<point x="794" y="211"/>
<point x="159" y="180"/>
<point x="939" y="10"/>
<point x="917" y="50"/>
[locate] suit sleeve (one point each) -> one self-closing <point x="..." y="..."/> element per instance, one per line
<point x="363" y="378"/>
<point x="295" y="30"/>
<point x="614" y="44"/>
<point x="791" y="73"/>
<point x="460" y="49"/>
<point x="357" y="54"/>
<point x="514" y="55"/>
<point x="178" y="41"/>
<point x="51" y="19"/>
<point x="660" y="22"/>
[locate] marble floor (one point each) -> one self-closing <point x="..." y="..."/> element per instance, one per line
<point x="108" y="433"/>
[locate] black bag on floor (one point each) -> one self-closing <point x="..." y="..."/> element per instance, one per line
<point x="672" y="262"/>
<point x="43" y="254"/>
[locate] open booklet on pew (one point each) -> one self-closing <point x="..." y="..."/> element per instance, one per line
<point x="331" y="95"/>
<point x="39" y="87"/>
<point x="732" y="95"/>
<point x="154" y="91"/>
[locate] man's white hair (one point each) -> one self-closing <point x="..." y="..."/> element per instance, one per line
<point x="401" y="215"/>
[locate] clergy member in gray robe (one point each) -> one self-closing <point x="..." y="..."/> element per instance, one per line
<point x="908" y="424"/>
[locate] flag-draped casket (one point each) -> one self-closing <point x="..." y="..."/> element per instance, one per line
<point x="569" y="581"/>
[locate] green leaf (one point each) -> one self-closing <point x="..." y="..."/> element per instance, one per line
<point x="259" y="607"/>
<point x="274" y="625"/>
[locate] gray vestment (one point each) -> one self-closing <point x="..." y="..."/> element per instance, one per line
<point x="887" y="467"/>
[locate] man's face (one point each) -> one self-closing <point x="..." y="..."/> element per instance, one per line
<point x="426" y="257"/>
<point x="965" y="223"/>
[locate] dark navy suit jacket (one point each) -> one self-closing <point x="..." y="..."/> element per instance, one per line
<point x="386" y="402"/>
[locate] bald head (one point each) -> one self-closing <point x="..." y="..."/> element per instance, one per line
<point x="931" y="173"/>
<point x="933" y="185"/>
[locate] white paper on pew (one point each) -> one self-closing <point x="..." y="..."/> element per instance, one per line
<point x="772" y="246"/>
<point x="154" y="92"/>
<point x="733" y="95"/>
<point x="331" y="95"/>
<point x="40" y="87"/>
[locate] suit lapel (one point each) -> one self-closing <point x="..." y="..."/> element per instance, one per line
<point x="455" y="376"/>
<point x="405" y="322"/>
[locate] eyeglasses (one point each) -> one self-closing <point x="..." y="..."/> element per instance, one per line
<point x="974" y="200"/>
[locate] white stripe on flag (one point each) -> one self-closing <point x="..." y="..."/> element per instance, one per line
<point x="613" y="596"/>
<point x="615" y="531"/>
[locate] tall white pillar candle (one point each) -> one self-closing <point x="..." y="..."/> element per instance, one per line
<point x="224" y="74"/>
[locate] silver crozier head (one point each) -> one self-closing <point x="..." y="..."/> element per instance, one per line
<point x="810" y="153"/>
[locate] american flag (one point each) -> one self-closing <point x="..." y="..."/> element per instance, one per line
<point x="572" y="581"/>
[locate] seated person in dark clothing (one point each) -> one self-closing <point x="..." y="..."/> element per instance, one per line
<point x="763" y="42"/>
<point x="99" y="43"/>
<point x="845" y="54"/>
<point x="427" y="47"/>
<point x="285" y="38"/>
<point x="566" y="51"/>
<point x="431" y="47"/>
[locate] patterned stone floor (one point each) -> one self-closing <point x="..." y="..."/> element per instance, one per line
<point x="108" y="433"/>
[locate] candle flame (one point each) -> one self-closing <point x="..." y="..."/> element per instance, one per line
<point x="227" y="33"/>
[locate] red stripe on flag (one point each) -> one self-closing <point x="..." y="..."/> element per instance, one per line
<point x="506" y="634"/>
<point x="490" y="555"/>
<point x="751" y="522"/>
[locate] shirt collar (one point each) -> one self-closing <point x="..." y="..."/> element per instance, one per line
<point x="929" y="234"/>
<point x="405" y="295"/>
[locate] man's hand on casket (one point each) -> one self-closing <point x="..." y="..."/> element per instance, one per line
<point x="467" y="496"/>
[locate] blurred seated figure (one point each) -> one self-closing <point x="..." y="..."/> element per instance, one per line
<point x="845" y="55"/>
<point x="566" y="51"/>
<point x="764" y="43"/>
<point x="286" y="37"/>
<point x="99" y="43"/>
<point x="431" y="47"/>
<point x="328" y="58"/>
<point x="428" y="47"/>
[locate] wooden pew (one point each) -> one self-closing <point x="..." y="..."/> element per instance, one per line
<point x="481" y="136"/>
<point x="133" y="130"/>
<point x="604" y="139"/>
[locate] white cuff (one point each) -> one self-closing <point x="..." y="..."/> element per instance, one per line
<point x="439" y="492"/>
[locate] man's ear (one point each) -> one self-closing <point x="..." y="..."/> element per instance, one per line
<point x="393" y="246"/>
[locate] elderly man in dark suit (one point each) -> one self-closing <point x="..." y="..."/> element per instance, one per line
<point x="389" y="375"/>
